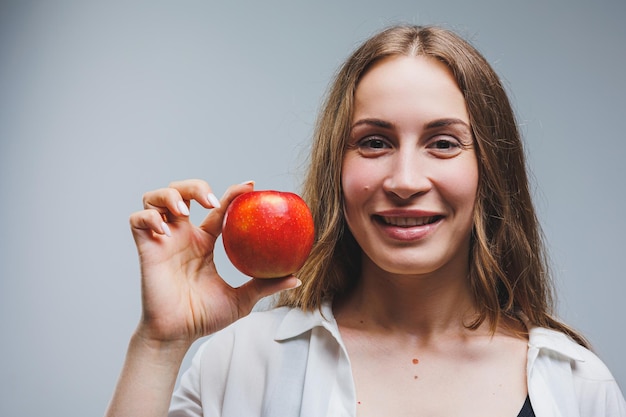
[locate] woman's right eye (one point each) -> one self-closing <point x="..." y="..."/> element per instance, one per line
<point x="373" y="144"/>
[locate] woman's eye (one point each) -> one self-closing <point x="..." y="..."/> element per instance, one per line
<point x="373" y="146"/>
<point x="373" y="143"/>
<point x="446" y="146"/>
<point x="443" y="144"/>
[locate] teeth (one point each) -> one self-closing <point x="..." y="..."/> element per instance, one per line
<point x="408" y="221"/>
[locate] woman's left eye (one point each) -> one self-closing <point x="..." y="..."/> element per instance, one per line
<point x="445" y="145"/>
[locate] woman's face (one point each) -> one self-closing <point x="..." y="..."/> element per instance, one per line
<point x="410" y="173"/>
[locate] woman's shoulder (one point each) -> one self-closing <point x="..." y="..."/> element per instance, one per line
<point x="250" y="342"/>
<point x="585" y="364"/>
<point x="567" y="376"/>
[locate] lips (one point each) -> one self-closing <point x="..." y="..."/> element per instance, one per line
<point x="407" y="225"/>
<point x="408" y="221"/>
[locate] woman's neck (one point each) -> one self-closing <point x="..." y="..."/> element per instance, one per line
<point x="423" y="305"/>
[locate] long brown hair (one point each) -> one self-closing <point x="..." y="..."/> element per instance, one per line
<point x="508" y="264"/>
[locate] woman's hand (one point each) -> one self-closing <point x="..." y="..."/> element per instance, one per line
<point x="183" y="296"/>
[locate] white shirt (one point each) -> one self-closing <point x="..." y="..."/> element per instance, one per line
<point x="286" y="362"/>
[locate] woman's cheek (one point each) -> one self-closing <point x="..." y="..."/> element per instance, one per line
<point x="357" y="178"/>
<point x="356" y="191"/>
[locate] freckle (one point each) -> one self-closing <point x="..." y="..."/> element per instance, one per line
<point x="415" y="377"/>
<point x="415" y="361"/>
<point x="359" y="402"/>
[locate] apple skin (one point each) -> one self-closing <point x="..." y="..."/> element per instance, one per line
<point x="268" y="234"/>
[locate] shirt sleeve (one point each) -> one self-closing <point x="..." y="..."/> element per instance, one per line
<point x="186" y="401"/>
<point x="243" y="370"/>
<point x="568" y="380"/>
<point x="598" y="391"/>
<point x="606" y="399"/>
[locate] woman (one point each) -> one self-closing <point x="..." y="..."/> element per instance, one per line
<point x="426" y="292"/>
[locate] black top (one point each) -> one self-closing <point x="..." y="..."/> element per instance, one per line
<point x="527" y="409"/>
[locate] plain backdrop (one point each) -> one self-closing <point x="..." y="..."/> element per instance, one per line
<point x="102" y="101"/>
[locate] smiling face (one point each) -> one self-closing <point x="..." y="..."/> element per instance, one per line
<point x="410" y="173"/>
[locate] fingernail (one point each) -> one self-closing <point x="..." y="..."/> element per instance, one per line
<point x="166" y="229"/>
<point x="213" y="200"/>
<point x="298" y="283"/>
<point x="250" y="182"/>
<point x="183" y="208"/>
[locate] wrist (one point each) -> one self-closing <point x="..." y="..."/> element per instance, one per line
<point x="155" y="348"/>
<point x="148" y="377"/>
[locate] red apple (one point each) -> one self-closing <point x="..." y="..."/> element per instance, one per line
<point x="268" y="234"/>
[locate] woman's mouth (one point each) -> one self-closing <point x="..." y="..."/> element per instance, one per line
<point x="408" y="228"/>
<point x="407" y="221"/>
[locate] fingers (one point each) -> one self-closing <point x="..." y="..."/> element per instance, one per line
<point x="173" y="201"/>
<point x="149" y="221"/>
<point x="171" y="204"/>
<point x="196" y="190"/>
<point x="213" y="222"/>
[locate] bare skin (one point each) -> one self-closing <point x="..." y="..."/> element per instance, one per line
<point x="411" y="353"/>
<point x="183" y="296"/>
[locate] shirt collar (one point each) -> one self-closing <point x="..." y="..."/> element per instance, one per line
<point x="552" y="340"/>
<point x="297" y="322"/>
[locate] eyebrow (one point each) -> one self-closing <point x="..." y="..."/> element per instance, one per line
<point x="430" y="125"/>
<point x="373" y="122"/>
<point x="446" y="122"/>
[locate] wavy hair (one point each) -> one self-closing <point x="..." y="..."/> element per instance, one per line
<point x="508" y="270"/>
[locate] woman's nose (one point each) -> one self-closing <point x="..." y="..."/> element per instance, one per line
<point x="408" y="175"/>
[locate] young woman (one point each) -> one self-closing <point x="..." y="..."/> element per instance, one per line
<point x="427" y="290"/>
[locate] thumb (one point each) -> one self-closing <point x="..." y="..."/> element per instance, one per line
<point x="254" y="290"/>
<point x="212" y="224"/>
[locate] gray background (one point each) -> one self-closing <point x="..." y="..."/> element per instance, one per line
<point x="102" y="101"/>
